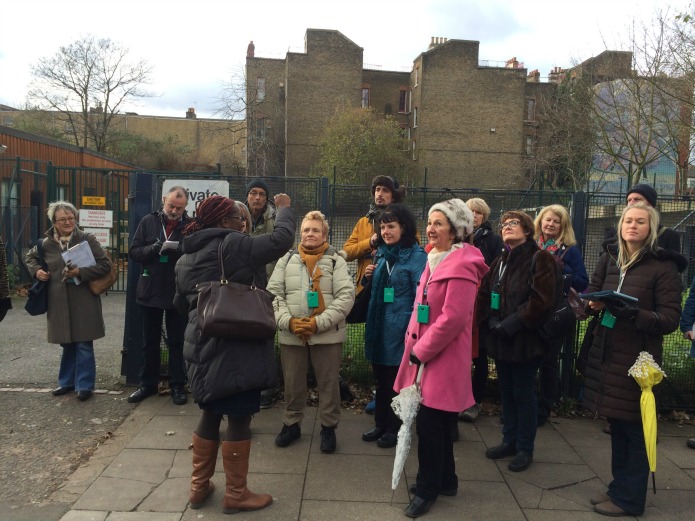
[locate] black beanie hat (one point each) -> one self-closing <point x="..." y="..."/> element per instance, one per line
<point x="645" y="191"/>
<point x="258" y="183"/>
<point x="389" y="182"/>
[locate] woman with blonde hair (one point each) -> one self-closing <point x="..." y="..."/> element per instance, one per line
<point x="313" y="295"/>
<point x="490" y="244"/>
<point x="554" y="234"/>
<point x="246" y="217"/>
<point x="637" y="267"/>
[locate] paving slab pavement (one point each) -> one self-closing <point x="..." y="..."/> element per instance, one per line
<point x="143" y="472"/>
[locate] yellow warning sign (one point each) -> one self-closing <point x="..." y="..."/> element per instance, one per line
<point x="88" y="200"/>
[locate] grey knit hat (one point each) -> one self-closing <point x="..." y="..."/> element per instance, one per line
<point x="458" y="214"/>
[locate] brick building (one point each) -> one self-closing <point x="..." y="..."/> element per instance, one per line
<point x="468" y="124"/>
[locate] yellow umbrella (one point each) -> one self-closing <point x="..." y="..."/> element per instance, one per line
<point x="647" y="374"/>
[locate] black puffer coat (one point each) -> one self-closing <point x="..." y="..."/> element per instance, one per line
<point x="488" y="242"/>
<point x="525" y="301"/>
<point x="608" y="389"/>
<point x="218" y="368"/>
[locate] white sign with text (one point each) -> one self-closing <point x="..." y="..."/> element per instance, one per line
<point x="96" y="218"/>
<point x="198" y="190"/>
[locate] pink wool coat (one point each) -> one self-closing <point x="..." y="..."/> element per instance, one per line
<point x="444" y="344"/>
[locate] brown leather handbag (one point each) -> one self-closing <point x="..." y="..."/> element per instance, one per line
<point x="233" y="310"/>
<point x="103" y="284"/>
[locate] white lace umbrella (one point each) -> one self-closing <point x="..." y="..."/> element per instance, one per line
<point x="405" y="405"/>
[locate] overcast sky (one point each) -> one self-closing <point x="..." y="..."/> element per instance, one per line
<point x="195" y="46"/>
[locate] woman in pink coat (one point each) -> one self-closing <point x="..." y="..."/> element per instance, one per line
<point x="442" y="341"/>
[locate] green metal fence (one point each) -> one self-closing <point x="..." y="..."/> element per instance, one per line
<point x="27" y="186"/>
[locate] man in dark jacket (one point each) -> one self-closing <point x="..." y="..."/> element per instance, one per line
<point x="643" y="193"/>
<point x="157" y="247"/>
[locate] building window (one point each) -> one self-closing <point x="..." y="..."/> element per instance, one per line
<point x="404" y="101"/>
<point x="531" y="109"/>
<point x="260" y="89"/>
<point x="8" y="121"/>
<point x="529" y="145"/>
<point x="410" y="101"/>
<point x="417" y="76"/>
<point x="260" y="129"/>
<point x="365" y="97"/>
<point x="414" y="148"/>
<point x="415" y="117"/>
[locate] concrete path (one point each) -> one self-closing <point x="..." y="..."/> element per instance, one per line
<point x="143" y="472"/>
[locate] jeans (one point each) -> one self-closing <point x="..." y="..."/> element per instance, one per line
<point x="519" y="405"/>
<point x="78" y="368"/>
<point x="152" y="331"/>
<point x="384" y="417"/>
<point x="435" y="453"/>
<point x="629" y="465"/>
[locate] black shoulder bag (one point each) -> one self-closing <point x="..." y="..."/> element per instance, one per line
<point x="37" y="304"/>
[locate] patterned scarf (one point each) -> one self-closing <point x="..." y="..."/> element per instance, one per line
<point x="310" y="258"/>
<point x="550" y="245"/>
<point x="374" y="333"/>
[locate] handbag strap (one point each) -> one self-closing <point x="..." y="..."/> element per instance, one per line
<point x="223" y="278"/>
<point x="39" y="250"/>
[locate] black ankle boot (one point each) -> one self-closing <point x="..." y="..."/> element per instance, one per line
<point x="501" y="451"/>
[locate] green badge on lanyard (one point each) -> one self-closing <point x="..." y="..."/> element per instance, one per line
<point x="494" y="300"/>
<point x="164" y="259"/>
<point x="423" y="314"/>
<point x="608" y="320"/>
<point x="312" y="299"/>
<point x="388" y="294"/>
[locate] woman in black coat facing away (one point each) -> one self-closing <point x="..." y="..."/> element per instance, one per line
<point x="226" y="376"/>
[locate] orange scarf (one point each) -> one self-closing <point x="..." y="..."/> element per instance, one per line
<point x="310" y="258"/>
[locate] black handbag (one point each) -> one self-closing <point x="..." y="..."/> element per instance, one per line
<point x="37" y="304"/>
<point x="233" y="310"/>
<point x="562" y="318"/>
<point x="358" y="313"/>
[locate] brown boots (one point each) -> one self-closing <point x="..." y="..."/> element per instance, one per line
<point x="204" y="458"/>
<point x="235" y="457"/>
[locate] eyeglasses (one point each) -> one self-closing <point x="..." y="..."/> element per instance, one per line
<point x="240" y="217"/>
<point x="510" y="224"/>
<point x="254" y="193"/>
<point x="66" y="220"/>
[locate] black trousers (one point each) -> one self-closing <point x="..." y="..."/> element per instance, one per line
<point x="152" y="333"/>
<point x="384" y="417"/>
<point x="481" y="368"/>
<point x="435" y="453"/>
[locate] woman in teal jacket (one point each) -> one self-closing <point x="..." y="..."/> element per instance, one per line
<point x="397" y="267"/>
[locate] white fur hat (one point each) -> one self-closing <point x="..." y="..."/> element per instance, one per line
<point x="458" y="213"/>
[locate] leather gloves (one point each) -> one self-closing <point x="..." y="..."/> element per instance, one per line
<point x="621" y="309"/>
<point x="303" y="327"/>
<point x="414" y="359"/>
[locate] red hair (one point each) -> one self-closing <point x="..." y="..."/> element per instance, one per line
<point x="209" y="212"/>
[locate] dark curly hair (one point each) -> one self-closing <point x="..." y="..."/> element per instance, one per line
<point x="209" y="212"/>
<point x="404" y="216"/>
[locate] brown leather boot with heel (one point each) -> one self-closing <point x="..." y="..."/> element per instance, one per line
<point x="204" y="458"/>
<point x="235" y="457"/>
